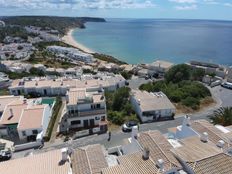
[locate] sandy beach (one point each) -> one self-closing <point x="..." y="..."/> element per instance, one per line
<point x="68" y="39"/>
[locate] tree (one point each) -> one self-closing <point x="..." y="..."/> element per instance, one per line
<point x="120" y="98"/>
<point x="222" y="116"/>
<point x="178" y="73"/>
<point x="126" y="75"/>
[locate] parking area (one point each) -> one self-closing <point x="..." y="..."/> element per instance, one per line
<point x="224" y="94"/>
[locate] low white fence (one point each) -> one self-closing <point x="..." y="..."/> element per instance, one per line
<point x="27" y="146"/>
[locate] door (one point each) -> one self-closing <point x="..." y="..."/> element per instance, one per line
<point x="91" y="122"/>
<point x="86" y="123"/>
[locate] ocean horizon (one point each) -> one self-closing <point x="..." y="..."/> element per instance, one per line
<point x="146" y="40"/>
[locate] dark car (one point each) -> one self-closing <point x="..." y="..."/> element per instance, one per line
<point x="127" y="127"/>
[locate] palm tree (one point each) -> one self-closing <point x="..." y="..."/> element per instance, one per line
<point x="222" y="116"/>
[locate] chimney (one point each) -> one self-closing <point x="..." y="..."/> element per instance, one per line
<point x="220" y="144"/>
<point x="138" y="101"/>
<point x="11" y="112"/>
<point x="160" y="164"/>
<point x="36" y="83"/>
<point x="146" y="153"/>
<point x="186" y="121"/>
<point x="64" y="153"/>
<point x="24" y="101"/>
<point x="204" y="137"/>
<point x="134" y="132"/>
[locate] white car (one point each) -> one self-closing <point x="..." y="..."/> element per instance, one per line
<point x="127" y="127"/>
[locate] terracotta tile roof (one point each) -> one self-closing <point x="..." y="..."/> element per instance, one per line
<point x="17" y="108"/>
<point x="44" y="163"/>
<point x="159" y="148"/>
<point x="193" y="149"/>
<point x="89" y="160"/>
<point x="76" y="94"/>
<point x="217" y="164"/>
<point x="5" y="100"/>
<point x="32" y="118"/>
<point x="214" y="134"/>
<point x="133" y="164"/>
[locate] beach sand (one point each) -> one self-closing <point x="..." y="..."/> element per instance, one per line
<point x="68" y="39"/>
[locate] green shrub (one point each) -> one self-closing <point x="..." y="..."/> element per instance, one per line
<point x="191" y="102"/>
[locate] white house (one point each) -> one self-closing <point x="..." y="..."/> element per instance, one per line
<point x="159" y="67"/>
<point x="152" y="106"/>
<point x="24" y="118"/>
<point x="85" y="109"/>
<point x="34" y="120"/>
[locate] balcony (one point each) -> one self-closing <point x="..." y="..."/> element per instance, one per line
<point x="91" y="112"/>
<point x="88" y="113"/>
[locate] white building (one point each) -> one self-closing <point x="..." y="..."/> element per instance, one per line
<point x="24" y="118"/>
<point x="159" y="67"/>
<point x="85" y="109"/>
<point x="60" y="86"/>
<point x="4" y="80"/>
<point x="71" y="53"/>
<point x="152" y="106"/>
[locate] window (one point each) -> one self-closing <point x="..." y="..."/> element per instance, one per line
<point x="103" y="118"/>
<point x="24" y="133"/>
<point x="97" y="118"/>
<point x="98" y="106"/>
<point x="35" y="132"/>
<point x="75" y="122"/>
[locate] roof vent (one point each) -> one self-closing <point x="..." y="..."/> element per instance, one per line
<point x="24" y="101"/>
<point x="220" y="144"/>
<point x="186" y="121"/>
<point x="11" y="114"/>
<point x="160" y="164"/>
<point x="64" y="153"/>
<point x="204" y="137"/>
<point x="146" y="153"/>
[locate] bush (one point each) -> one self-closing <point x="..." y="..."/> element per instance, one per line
<point x="126" y="75"/>
<point x="119" y="107"/>
<point x="55" y="112"/>
<point x="177" y="92"/>
<point x="191" y="102"/>
<point x="178" y="73"/>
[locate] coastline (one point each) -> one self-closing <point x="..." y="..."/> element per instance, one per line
<point x="68" y="39"/>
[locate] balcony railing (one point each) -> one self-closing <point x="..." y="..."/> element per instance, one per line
<point x="88" y="113"/>
<point x="92" y="112"/>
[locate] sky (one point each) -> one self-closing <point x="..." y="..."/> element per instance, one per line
<point x="181" y="9"/>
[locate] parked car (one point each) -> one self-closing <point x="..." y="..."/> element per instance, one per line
<point x="215" y="83"/>
<point x="5" y="156"/>
<point x="227" y="85"/>
<point x="127" y="127"/>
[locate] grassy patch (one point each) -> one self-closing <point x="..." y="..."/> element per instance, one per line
<point x="4" y="92"/>
<point x="55" y="113"/>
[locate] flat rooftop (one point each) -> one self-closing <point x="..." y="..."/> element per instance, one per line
<point x="152" y="101"/>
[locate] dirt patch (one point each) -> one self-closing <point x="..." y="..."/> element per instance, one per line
<point x="205" y="103"/>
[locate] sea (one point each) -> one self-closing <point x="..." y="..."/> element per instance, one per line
<point x="146" y="40"/>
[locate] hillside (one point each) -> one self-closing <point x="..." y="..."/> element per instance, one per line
<point x="62" y="24"/>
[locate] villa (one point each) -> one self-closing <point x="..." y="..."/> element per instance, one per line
<point x="152" y="106"/>
<point x="23" y="118"/>
<point x="85" y="110"/>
